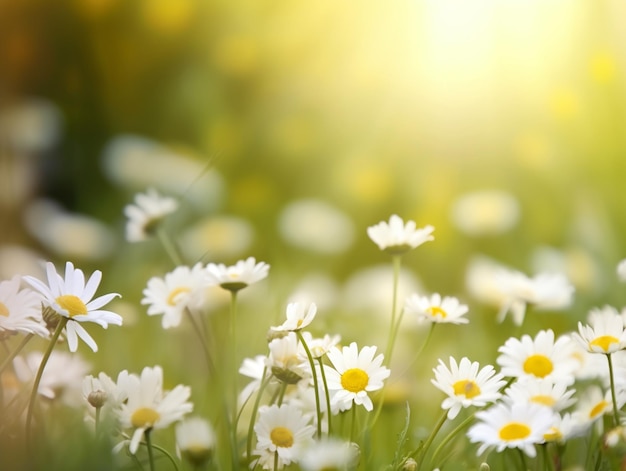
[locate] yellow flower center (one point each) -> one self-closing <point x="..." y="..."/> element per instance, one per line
<point x="354" y="380"/>
<point x="144" y="417"/>
<point x="4" y="310"/>
<point x="437" y="311"/>
<point x="553" y="435"/>
<point x="176" y="294"/>
<point x="72" y="304"/>
<point x="604" y="342"/>
<point x="514" y="431"/>
<point x="543" y="400"/>
<point x="467" y="388"/>
<point x="281" y="437"/>
<point x="538" y="365"/>
<point x="598" y="409"/>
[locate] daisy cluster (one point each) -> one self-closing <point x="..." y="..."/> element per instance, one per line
<point x="313" y="400"/>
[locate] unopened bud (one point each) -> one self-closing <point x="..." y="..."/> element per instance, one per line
<point x="484" y="467"/>
<point x="409" y="465"/>
<point x="97" y="398"/>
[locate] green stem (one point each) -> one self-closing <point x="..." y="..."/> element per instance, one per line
<point x="98" y="409"/>
<point x="327" y="394"/>
<point x="353" y="422"/>
<point x="396" y="262"/>
<point x="318" y="408"/>
<point x="451" y="435"/>
<point x="257" y="401"/>
<point x="522" y="457"/>
<point x="613" y="397"/>
<point x="149" y="446"/>
<point x="431" y="438"/>
<point x="233" y="375"/>
<point x="170" y="248"/>
<point x="33" y="395"/>
<point x="15" y="352"/>
<point x="166" y="453"/>
<point x="203" y="341"/>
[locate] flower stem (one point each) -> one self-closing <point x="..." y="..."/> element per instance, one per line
<point x="451" y="435"/>
<point x="203" y="341"/>
<point x="15" y="352"/>
<point x="233" y="374"/>
<point x="257" y="401"/>
<point x="149" y="446"/>
<point x="353" y="422"/>
<point x="318" y="408"/>
<point x="431" y="438"/>
<point x="169" y="247"/>
<point x="613" y="397"/>
<point x="33" y="395"/>
<point x="396" y="262"/>
<point x="328" y="408"/>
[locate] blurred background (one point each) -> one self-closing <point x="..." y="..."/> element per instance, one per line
<point x="287" y="128"/>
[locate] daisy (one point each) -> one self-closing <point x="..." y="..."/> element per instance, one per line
<point x="71" y="298"/>
<point x="605" y="332"/>
<point x="396" y="237"/>
<point x="435" y="309"/>
<point x="285" y="360"/>
<point x="195" y="439"/>
<point x="593" y="404"/>
<point x="253" y="368"/>
<point x="466" y="385"/>
<point x="621" y="270"/>
<point x="354" y="374"/>
<point x="238" y="276"/>
<point x="319" y="346"/>
<point x="541" y="391"/>
<point x="330" y="453"/>
<point x="298" y="317"/>
<point x="544" y="291"/>
<point x="144" y="216"/>
<point x="283" y="430"/>
<point x="542" y="357"/>
<point x="20" y="309"/>
<point x="148" y="406"/>
<point x="520" y="425"/>
<point x="181" y="289"/>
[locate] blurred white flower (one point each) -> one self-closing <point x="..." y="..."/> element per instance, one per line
<point x="621" y="270"/>
<point x="136" y="162"/>
<point x="20" y="309"/>
<point x="238" y="276"/>
<point x="316" y="226"/>
<point x="487" y="212"/>
<point x="66" y="234"/>
<point x="447" y="310"/>
<point x="605" y="332"/>
<point x="217" y="236"/>
<point x="195" y="439"/>
<point x="330" y="453"/>
<point x="146" y="213"/>
<point x="398" y="237"/>
<point x="18" y="259"/>
<point x="30" y="126"/>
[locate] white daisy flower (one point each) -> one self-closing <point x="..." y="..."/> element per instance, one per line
<point x="396" y="237"/>
<point x="354" y="374"/>
<point x="621" y="270"/>
<point x="283" y="430"/>
<point x="253" y="368"/>
<point x="520" y="425"/>
<point x="71" y="297"/>
<point x="435" y="309"/>
<point x="330" y="453"/>
<point x="180" y="289"/>
<point x="298" y="317"/>
<point x="564" y="428"/>
<point x="466" y="385"/>
<point x="593" y="404"/>
<point x="543" y="291"/>
<point x="285" y="360"/>
<point x="542" y="357"/>
<point x="605" y="332"/>
<point x="60" y="380"/>
<point x="148" y="406"/>
<point x="319" y="346"/>
<point x="20" y="309"/>
<point x="144" y="216"/>
<point x="238" y="276"/>
<point x="541" y="391"/>
<point x="195" y="439"/>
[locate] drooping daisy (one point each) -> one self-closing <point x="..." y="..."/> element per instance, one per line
<point x="20" y="309"/>
<point x="284" y="360"/>
<point x="283" y="430"/>
<point x="435" y="309"/>
<point x="195" y="439"/>
<point x="556" y="395"/>
<point x="605" y="332"/>
<point x="396" y="237"/>
<point x="542" y="357"/>
<point x="71" y="297"/>
<point x="149" y="407"/>
<point x="543" y="291"/>
<point x="238" y="276"/>
<point x="144" y="216"/>
<point x="621" y="270"/>
<point x="519" y="425"/>
<point x="298" y="317"/>
<point x="466" y="385"/>
<point x="330" y="453"/>
<point x="354" y="374"/>
<point x="181" y="289"/>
